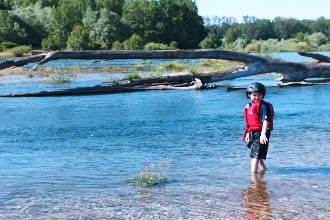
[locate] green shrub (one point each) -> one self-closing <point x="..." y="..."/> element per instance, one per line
<point x="210" y="41"/>
<point x="302" y="46"/>
<point x="325" y="47"/>
<point x="117" y="45"/>
<point x="269" y="46"/>
<point x="20" y="50"/>
<point x="7" y="45"/>
<point x="78" y="38"/>
<point x="156" y="46"/>
<point x="318" y="39"/>
<point x="253" y="47"/>
<point x="174" y="45"/>
<point x="135" y="42"/>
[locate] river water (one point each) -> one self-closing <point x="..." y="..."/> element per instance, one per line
<point x="68" y="157"/>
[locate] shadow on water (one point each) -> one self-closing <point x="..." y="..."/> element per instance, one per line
<point x="256" y="199"/>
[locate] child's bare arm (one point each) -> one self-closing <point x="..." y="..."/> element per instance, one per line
<point x="263" y="137"/>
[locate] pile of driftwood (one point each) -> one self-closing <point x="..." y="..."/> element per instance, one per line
<point x="292" y="73"/>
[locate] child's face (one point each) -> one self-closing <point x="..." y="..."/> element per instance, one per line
<point x="256" y="96"/>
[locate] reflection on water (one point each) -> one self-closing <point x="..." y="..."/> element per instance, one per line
<point x="256" y="199"/>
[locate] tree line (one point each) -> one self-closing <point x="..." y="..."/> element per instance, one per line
<point x="149" y="24"/>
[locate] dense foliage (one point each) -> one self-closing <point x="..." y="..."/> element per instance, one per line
<point x="149" y="24"/>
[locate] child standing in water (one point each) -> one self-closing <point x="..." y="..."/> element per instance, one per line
<point x="259" y="123"/>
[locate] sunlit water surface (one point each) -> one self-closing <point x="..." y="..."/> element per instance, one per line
<point x="67" y="157"/>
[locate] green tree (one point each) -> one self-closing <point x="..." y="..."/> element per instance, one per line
<point x="6" y="4"/>
<point x="211" y="41"/>
<point x="35" y="20"/>
<point x="25" y="3"/>
<point x="144" y="18"/>
<point x="115" y="6"/>
<point x="230" y="36"/>
<point x="57" y="24"/>
<point x="164" y="21"/>
<point x="219" y="26"/>
<point x="78" y="38"/>
<point x="135" y="42"/>
<point x="263" y="29"/>
<point x="64" y="17"/>
<point x="104" y="27"/>
<point x="288" y="28"/>
<point x="317" y="39"/>
<point x="300" y="37"/>
<point x="10" y="30"/>
<point x="182" y="23"/>
<point x="117" y="45"/>
<point x="48" y="3"/>
<point x="322" y="25"/>
<point x="248" y="27"/>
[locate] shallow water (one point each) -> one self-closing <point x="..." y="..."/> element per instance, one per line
<point x="67" y="157"/>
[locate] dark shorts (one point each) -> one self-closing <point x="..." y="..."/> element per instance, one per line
<point x="258" y="150"/>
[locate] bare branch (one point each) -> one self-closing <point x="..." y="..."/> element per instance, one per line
<point x="316" y="56"/>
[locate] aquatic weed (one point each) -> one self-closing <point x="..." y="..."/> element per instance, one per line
<point x="132" y="76"/>
<point x="152" y="175"/>
<point x="59" y="77"/>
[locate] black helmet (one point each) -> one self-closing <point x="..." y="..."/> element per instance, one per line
<point x="256" y="87"/>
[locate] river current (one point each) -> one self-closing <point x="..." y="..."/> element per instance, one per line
<point x="68" y="157"/>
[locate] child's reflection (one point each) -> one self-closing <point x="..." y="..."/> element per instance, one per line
<point x="256" y="199"/>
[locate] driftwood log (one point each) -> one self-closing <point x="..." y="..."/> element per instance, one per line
<point x="106" y="89"/>
<point x="292" y="73"/>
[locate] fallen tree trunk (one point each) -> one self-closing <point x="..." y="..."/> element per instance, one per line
<point x="42" y="58"/>
<point x="254" y="65"/>
<point x="108" y="89"/>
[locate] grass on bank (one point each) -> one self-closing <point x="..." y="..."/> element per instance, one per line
<point x="16" y="51"/>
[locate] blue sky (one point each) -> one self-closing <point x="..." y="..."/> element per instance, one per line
<point x="269" y="9"/>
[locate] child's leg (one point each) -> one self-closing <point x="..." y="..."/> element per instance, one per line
<point x="262" y="165"/>
<point x="254" y="165"/>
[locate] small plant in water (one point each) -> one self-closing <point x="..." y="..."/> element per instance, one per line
<point x="59" y="78"/>
<point x="132" y="76"/>
<point x="194" y="69"/>
<point x="152" y="175"/>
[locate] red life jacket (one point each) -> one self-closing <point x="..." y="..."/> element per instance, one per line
<point x="252" y="117"/>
